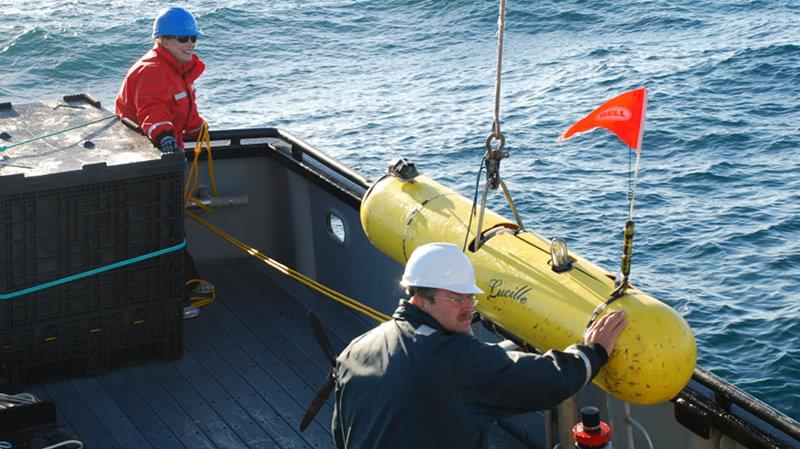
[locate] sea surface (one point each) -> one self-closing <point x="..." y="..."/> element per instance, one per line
<point x="718" y="197"/>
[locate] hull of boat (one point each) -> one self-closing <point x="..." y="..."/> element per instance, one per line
<point x="250" y="363"/>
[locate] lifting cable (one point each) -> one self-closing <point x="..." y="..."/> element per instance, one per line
<point x="495" y="142"/>
<point x="501" y="28"/>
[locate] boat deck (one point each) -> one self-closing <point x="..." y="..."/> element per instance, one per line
<point x="250" y="368"/>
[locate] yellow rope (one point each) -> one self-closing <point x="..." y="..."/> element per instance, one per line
<point x="297" y="276"/>
<point x="193" y="176"/>
<point x="192" y="180"/>
<point x="202" y="301"/>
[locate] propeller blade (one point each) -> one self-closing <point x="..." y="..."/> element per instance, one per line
<point x="322" y="337"/>
<point x="318" y="401"/>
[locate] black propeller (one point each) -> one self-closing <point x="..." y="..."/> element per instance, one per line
<point x="325" y="391"/>
<point x="322" y="337"/>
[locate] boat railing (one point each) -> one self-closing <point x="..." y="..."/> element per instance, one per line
<point x="738" y="414"/>
<point x="280" y="142"/>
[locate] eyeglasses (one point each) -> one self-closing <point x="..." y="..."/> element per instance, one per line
<point x="460" y="299"/>
<point x="184" y="39"/>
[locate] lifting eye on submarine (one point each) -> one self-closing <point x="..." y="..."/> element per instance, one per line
<point x="560" y="260"/>
<point x="403" y="169"/>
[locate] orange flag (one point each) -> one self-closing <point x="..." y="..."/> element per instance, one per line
<point x="623" y="115"/>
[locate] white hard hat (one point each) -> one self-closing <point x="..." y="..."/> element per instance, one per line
<point x="440" y="265"/>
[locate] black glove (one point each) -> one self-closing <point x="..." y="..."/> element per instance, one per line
<point x="167" y="143"/>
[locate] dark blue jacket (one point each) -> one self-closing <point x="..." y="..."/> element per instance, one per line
<point x="409" y="383"/>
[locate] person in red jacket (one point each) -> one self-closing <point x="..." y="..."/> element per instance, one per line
<point x="158" y="95"/>
<point x="158" y="92"/>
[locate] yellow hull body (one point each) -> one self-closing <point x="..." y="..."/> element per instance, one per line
<point x="654" y="357"/>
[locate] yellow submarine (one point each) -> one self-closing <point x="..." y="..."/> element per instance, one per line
<point x="655" y="355"/>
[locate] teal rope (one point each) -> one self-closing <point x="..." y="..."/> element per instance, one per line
<point x="80" y="125"/>
<point x="85" y="274"/>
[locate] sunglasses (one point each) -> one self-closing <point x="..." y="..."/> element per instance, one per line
<point x="184" y="39"/>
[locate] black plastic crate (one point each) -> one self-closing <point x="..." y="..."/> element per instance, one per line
<point x="91" y="196"/>
<point x="89" y="344"/>
<point x="49" y="234"/>
<point x="156" y="279"/>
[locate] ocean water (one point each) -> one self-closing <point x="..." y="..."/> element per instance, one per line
<point x="717" y="204"/>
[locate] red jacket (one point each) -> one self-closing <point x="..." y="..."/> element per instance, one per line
<point x="159" y="96"/>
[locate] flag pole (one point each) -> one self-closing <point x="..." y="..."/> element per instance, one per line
<point x="638" y="150"/>
<point x="627" y="245"/>
<point x="633" y="187"/>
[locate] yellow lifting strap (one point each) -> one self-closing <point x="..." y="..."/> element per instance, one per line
<point x="193" y="176"/>
<point x="190" y="186"/>
<point x="297" y="276"/>
<point x="202" y="300"/>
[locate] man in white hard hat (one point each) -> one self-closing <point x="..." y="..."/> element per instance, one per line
<point x="423" y="381"/>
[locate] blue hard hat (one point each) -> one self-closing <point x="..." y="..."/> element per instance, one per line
<point x="175" y="21"/>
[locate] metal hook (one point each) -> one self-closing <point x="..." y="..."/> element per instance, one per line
<point x="491" y="138"/>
